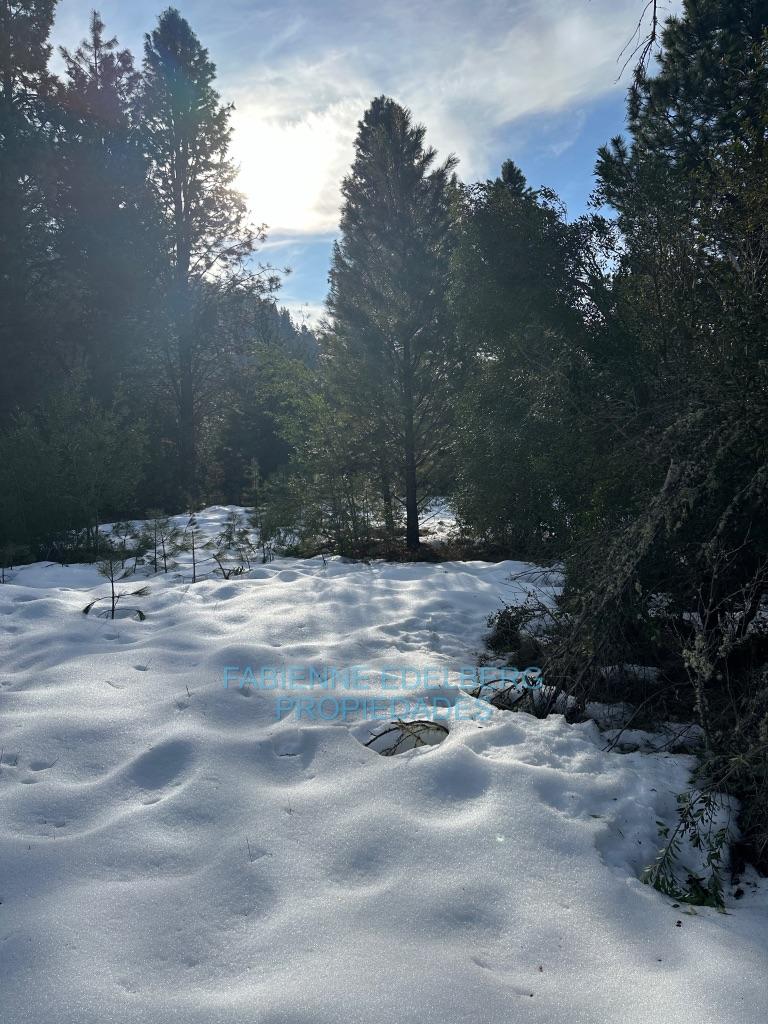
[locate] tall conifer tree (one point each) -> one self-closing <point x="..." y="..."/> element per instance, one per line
<point x="186" y="133"/>
<point x="24" y="48"/>
<point x="26" y="159"/>
<point x="391" y="345"/>
<point x="104" y="212"/>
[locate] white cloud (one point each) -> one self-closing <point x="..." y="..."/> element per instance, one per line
<point x="485" y="76"/>
<point x="304" y="314"/>
<point x="465" y="69"/>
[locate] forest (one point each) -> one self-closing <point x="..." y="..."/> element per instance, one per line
<point x="589" y="394"/>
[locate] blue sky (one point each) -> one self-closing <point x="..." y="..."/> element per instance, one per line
<point x="534" y="80"/>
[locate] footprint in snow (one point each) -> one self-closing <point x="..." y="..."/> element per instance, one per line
<point x="162" y="765"/>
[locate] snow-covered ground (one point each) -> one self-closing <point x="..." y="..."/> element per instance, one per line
<point x="171" y="851"/>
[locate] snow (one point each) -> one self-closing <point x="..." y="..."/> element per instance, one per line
<point x="438" y="521"/>
<point x="171" y="851"/>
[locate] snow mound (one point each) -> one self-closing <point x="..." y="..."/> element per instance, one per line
<point x="172" y="849"/>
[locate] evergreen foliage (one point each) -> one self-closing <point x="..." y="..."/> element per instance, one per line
<point x="391" y="351"/>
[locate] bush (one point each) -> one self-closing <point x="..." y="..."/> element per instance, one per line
<point x="511" y="633"/>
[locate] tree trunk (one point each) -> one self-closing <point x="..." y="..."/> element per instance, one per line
<point x="411" y="494"/>
<point x="409" y="436"/>
<point x="389" y="516"/>
<point x="186" y="374"/>
<point x="187" y="439"/>
<point x="184" y="327"/>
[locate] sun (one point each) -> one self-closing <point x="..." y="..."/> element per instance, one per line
<point x="291" y="168"/>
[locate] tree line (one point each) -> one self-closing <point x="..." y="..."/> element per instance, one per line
<point x="136" y="323"/>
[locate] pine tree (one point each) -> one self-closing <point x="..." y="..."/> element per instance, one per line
<point x="518" y="311"/>
<point x="102" y="82"/>
<point x="67" y="465"/>
<point x="186" y="133"/>
<point x="391" y="349"/>
<point x="673" y="563"/>
<point x="105" y="214"/>
<point x="24" y="49"/>
<point x="26" y="173"/>
<point x="698" y="152"/>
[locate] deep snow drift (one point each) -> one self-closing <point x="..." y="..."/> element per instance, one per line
<point x="170" y="851"/>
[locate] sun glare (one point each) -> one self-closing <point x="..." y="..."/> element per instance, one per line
<point x="290" y="170"/>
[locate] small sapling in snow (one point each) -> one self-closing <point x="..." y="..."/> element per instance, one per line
<point x="112" y="569"/>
